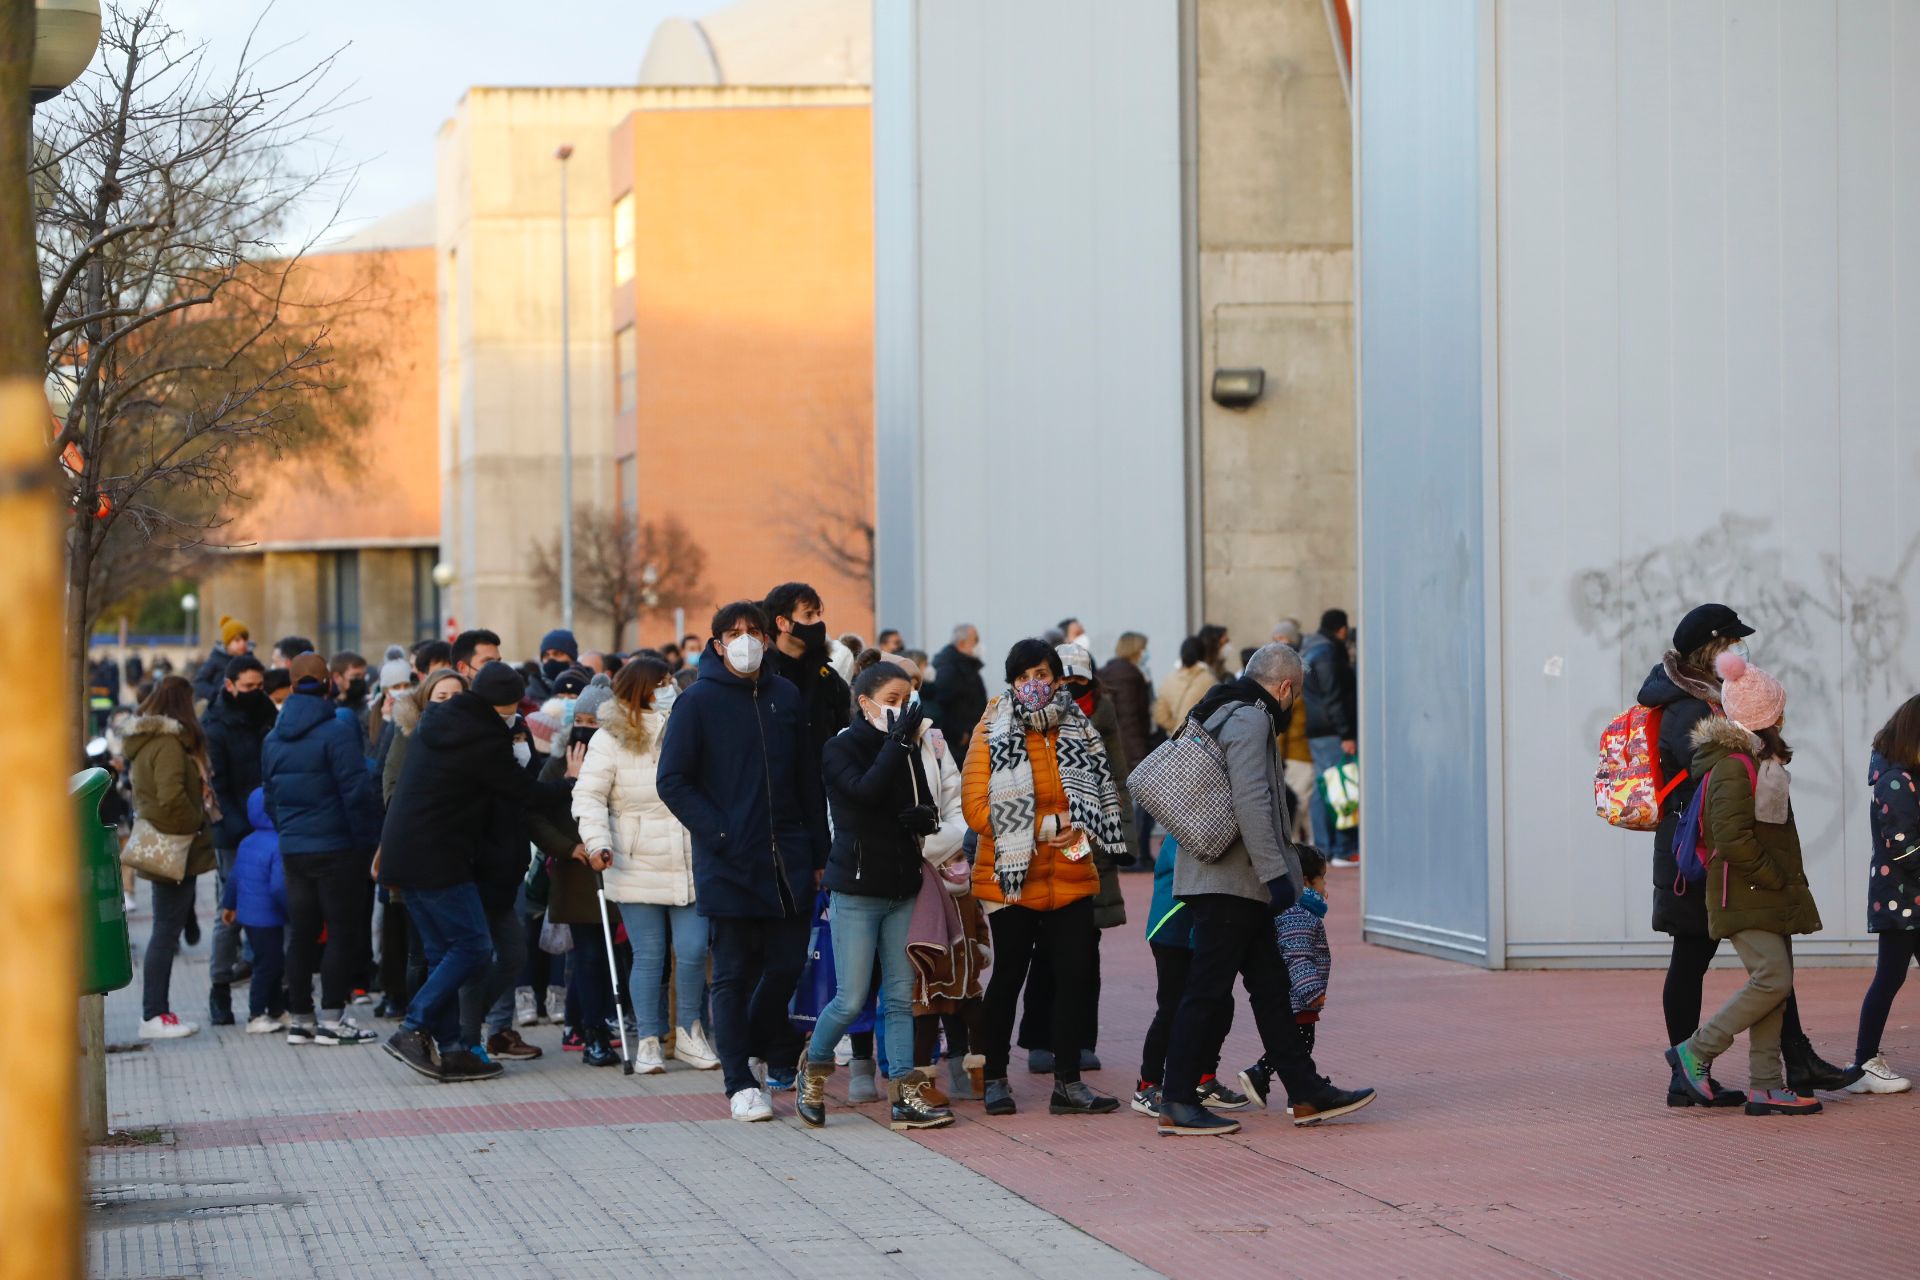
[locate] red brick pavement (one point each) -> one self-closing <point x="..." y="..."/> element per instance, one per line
<point x="1520" y="1131"/>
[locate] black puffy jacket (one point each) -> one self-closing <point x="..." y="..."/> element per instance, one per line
<point x="871" y="780"/>
<point x="1329" y="689"/>
<point x="1683" y="915"/>
<point x="234" y="739"/>
<point x="457" y="814"/>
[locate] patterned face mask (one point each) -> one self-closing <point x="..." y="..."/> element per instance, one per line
<point x="1033" y="694"/>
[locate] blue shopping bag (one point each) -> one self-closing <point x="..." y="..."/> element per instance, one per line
<point x="817" y="980"/>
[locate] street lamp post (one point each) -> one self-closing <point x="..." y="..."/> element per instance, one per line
<point x="191" y="604"/>
<point x="566" y="409"/>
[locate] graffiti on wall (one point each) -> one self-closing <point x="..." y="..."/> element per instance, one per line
<point x="1838" y="640"/>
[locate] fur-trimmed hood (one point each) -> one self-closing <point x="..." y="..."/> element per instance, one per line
<point x="639" y="738"/>
<point x="143" y="726"/>
<point x="406" y="711"/>
<point x="1724" y="733"/>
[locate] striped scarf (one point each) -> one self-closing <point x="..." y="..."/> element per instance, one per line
<point x="1093" y="802"/>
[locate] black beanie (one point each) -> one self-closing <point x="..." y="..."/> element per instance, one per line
<point x="498" y="684"/>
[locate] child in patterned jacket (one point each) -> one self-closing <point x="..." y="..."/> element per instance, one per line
<point x="1302" y="933"/>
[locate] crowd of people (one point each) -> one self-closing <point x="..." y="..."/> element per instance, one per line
<point x="773" y="853"/>
<point x="770" y="852"/>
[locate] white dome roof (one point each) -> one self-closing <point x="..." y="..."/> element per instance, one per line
<point x="765" y="42"/>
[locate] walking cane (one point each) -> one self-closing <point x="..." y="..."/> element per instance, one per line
<point x="613" y="971"/>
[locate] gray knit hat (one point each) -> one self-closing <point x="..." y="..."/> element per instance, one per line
<point x="589" y="703"/>
<point x="395" y="673"/>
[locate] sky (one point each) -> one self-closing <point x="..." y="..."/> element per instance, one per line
<point x="403" y="65"/>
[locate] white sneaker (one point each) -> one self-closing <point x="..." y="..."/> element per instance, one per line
<point x="166" y="1027"/>
<point x="1880" y="1077"/>
<point x="690" y="1046"/>
<point x="843" y="1052"/>
<point x="647" y="1060"/>
<point x="127" y="904"/>
<point x="524" y="1013"/>
<point x="1343" y="862"/>
<point x="266" y="1024"/>
<point x="345" y="1031"/>
<point x="751" y="1104"/>
<point x="556" y="1004"/>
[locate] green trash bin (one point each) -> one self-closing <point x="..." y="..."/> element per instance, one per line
<point x="106" y="956"/>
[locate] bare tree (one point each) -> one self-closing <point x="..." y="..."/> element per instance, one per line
<point x="841" y="530"/>
<point x="178" y="329"/>
<point x="622" y="569"/>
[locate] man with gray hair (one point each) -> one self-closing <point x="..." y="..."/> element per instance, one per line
<point x="959" y="694"/>
<point x="1232" y="901"/>
<point x="1288" y="633"/>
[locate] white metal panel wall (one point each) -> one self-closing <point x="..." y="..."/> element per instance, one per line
<point x="1705" y="317"/>
<point x="1041" y="450"/>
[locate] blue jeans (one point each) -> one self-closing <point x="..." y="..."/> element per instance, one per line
<point x="453" y="931"/>
<point x="861" y="927"/>
<point x="268" y="994"/>
<point x="648" y="925"/>
<point x="1332" y="841"/>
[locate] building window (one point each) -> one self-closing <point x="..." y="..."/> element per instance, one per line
<point x="426" y="594"/>
<point x="626" y="354"/>
<point x="623" y="239"/>
<point x="628" y="469"/>
<point x="339" y="602"/>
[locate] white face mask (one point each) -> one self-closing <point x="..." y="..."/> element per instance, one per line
<point x="522" y="753"/>
<point x="879" y="716"/>
<point x="663" y="697"/>
<point x="744" y="653"/>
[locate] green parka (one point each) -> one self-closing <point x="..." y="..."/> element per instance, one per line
<point x="168" y="787"/>
<point x="1757" y="880"/>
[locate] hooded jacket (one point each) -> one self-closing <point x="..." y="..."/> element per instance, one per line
<point x="961" y="695"/>
<point x="212" y="676"/>
<point x="1684" y="703"/>
<point x="452" y="820"/>
<point x="1328" y="688"/>
<point x="618" y="805"/>
<point x="870" y="781"/>
<point x="234" y="740"/>
<point x="730" y="772"/>
<point x="1756" y="881"/>
<point x="167" y="785"/>
<point x="318" y="792"/>
<point x="825" y="702"/>
<point x="256" y="889"/>
<point x="1893" y="884"/>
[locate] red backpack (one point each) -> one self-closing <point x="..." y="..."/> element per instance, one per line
<point x="1627" y="787"/>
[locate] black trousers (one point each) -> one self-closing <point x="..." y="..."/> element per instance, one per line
<point x="1898" y="949"/>
<point x="1234" y="936"/>
<point x="1170" y="966"/>
<point x="330" y="890"/>
<point x="1036" y="1008"/>
<point x="1069" y="940"/>
<point x="1687" y="971"/>
<point x="393" y="953"/>
<point x="756" y="966"/>
<point x="964" y="1029"/>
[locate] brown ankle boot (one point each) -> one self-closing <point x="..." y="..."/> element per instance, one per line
<point x="911" y="1107"/>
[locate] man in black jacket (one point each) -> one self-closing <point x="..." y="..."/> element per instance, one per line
<point x="794" y="610"/>
<point x="958" y="691"/>
<point x="235" y="724"/>
<point x="437" y="832"/>
<point x="1330" y="692"/>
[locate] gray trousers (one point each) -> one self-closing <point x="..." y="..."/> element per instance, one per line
<point x="226" y="937"/>
<point x="1756" y="1008"/>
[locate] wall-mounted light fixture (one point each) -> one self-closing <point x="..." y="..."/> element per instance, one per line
<point x="1238" y="388"/>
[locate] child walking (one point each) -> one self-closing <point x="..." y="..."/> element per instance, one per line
<point x="1170" y="937"/>
<point x="1302" y="933"/>
<point x="1756" y="889"/>
<point x="256" y="899"/>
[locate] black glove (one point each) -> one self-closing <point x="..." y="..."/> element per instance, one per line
<point x="1280" y="889"/>
<point x="907" y="724"/>
<point x="921" y="820"/>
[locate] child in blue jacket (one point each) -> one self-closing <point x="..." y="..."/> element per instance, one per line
<point x="1301" y="931"/>
<point x="256" y="897"/>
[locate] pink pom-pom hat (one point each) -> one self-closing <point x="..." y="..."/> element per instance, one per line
<point x="1752" y="699"/>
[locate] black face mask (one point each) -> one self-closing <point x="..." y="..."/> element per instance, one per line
<point x="356" y="690"/>
<point x="552" y="668"/>
<point x="582" y="734"/>
<point x="255" y="703"/>
<point x="811" y="634"/>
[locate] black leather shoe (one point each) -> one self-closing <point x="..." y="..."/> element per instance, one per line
<point x="999" y="1098"/>
<point x="1329" y="1103"/>
<point x="1074" y="1098"/>
<point x="1189" y="1120"/>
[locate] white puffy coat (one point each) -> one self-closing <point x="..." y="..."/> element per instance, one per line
<point x="943" y="778"/>
<point x="618" y="807"/>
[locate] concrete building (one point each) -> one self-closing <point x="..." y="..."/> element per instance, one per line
<point x="1068" y="251"/>
<point x="1632" y="286"/>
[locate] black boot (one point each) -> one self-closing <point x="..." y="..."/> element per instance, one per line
<point x="1188" y="1119"/>
<point x="1807" y="1071"/>
<point x="599" y="1051"/>
<point x="220" y="1005"/>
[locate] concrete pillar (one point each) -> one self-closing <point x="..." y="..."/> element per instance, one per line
<point x="386" y="600"/>
<point x="1275" y="224"/>
<point x="291" y="596"/>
